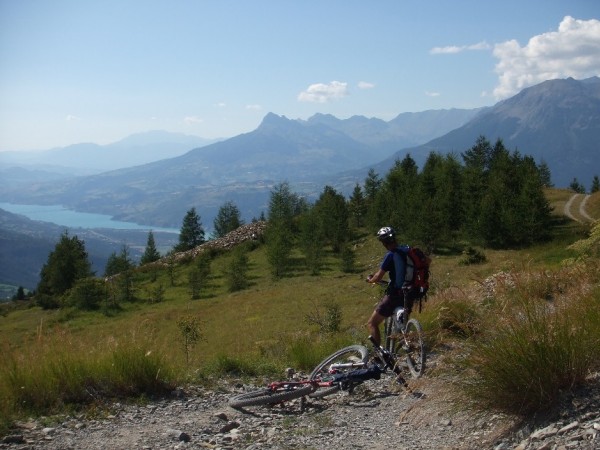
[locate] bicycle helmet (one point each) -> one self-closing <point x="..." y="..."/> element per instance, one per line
<point x="386" y="234"/>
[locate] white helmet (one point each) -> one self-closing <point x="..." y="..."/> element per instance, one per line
<point x="386" y="234"/>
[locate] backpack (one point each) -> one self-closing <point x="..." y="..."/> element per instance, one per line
<point x="417" y="271"/>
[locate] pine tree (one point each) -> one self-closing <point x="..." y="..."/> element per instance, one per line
<point x="312" y="241"/>
<point x="333" y="215"/>
<point x="283" y="206"/>
<point x="237" y="269"/>
<point x="372" y="188"/>
<point x="595" y="185"/>
<point x="577" y="187"/>
<point x="545" y="175"/>
<point x="372" y="185"/>
<point x="151" y="253"/>
<point x="118" y="263"/>
<point x="357" y="206"/>
<point x="191" y="234"/>
<point x="227" y="219"/>
<point x="474" y="185"/>
<point x="66" y="264"/>
<point x="440" y="191"/>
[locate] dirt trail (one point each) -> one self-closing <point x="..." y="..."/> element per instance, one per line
<point x="582" y="215"/>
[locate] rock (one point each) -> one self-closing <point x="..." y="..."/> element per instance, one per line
<point x="179" y="435"/>
<point x="544" y="433"/>
<point x="13" y="439"/>
<point x="569" y="427"/>
<point x="230" y="426"/>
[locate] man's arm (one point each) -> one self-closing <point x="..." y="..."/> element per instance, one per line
<point x="376" y="277"/>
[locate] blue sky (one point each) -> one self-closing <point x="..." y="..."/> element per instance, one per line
<point x="75" y="71"/>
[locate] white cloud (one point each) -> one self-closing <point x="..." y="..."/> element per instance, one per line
<point x="193" y="120"/>
<point x="72" y="118"/>
<point x="572" y="51"/>
<point x="254" y="107"/>
<point x="365" y="85"/>
<point x="322" y="93"/>
<point x="432" y="94"/>
<point x="451" y="49"/>
<point x="221" y="105"/>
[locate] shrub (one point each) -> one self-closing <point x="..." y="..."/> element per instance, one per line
<point x="328" y="321"/>
<point x="87" y="294"/>
<point x="535" y="350"/>
<point x="472" y="256"/>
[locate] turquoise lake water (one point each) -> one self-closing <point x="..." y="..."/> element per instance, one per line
<point x="59" y="215"/>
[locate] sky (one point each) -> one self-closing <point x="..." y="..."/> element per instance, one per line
<point x="74" y="71"/>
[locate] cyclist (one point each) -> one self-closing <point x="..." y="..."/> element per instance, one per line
<point x="393" y="262"/>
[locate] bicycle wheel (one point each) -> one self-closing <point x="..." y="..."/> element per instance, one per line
<point x="389" y="335"/>
<point x="414" y="347"/>
<point x="267" y="396"/>
<point x="407" y="346"/>
<point x="352" y="357"/>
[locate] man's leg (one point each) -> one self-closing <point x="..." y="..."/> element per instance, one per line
<point x="373" y="325"/>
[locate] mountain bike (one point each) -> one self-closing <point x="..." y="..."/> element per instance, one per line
<point x="343" y="370"/>
<point x="348" y="359"/>
<point x="350" y="366"/>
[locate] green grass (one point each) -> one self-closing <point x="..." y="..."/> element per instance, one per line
<point x="58" y="374"/>
<point x="57" y="360"/>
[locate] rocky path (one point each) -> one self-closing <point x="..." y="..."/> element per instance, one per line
<point x="376" y="416"/>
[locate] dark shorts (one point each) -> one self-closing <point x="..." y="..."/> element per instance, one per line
<point x="390" y="302"/>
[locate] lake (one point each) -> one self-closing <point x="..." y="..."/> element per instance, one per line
<point x="62" y="216"/>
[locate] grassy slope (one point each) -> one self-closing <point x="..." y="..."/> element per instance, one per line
<point x="268" y="312"/>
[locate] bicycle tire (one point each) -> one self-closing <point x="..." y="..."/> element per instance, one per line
<point x="266" y="396"/>
<point x="388" y="332"/>
<point x="408" y="346"/>
<point x="353" y="353"/>
<point x="415" y="353"/>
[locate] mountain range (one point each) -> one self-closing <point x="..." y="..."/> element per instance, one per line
<point x="242" y="169"/>
<point x="556" y="121"/>
<point x="87" y="158"/>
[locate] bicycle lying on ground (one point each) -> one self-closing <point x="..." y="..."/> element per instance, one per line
<point x="351" y="366"/>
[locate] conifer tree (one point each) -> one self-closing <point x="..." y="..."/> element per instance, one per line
<point x="595" y="185"/>
<point x="191" y="234"/>
<point x="312" y="240"/>
<point x="357" y="206"/>
<point x="278" y="235"/>
<point x="66" y="264"/>
<point x="372" y="188"/>
<point x="333" y="215"/>
<point x="118" y="263"/>
<point x="150" y="253"/>
<point x="440" y="197"/>
<point x="576" y="186"/>
<point x="475" y="173"/>
<point x="545" y="175"/>
<point x="227" y="219"/>
<point x="237" y="269"/>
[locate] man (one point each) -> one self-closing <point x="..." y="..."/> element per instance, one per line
<point x="393" y="262"/>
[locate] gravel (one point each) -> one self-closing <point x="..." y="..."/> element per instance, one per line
<point x="377" y="415"/>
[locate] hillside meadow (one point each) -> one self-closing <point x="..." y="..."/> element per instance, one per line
<point x="269" y="325"/>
